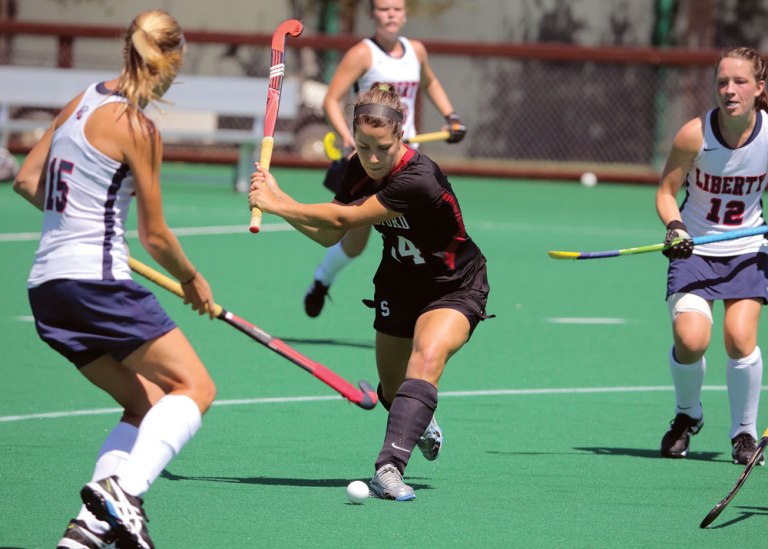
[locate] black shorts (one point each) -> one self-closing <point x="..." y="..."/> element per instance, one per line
<point x="397" y="312"/>
<point x="84" y="320"/>
<point x="335" y="175"/>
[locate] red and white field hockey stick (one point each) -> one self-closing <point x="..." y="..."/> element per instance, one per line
<point x="364" y="396"/>
<point x="294" y="27"/>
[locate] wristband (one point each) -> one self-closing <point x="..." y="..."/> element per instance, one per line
<point x="676" y="225"/>
<point x="194" y="276"/>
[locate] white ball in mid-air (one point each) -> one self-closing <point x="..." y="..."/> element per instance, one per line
<point x="588" y="179"/>
<point x="357" y="491"/>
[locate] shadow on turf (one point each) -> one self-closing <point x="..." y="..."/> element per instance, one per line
<point x="744" y="514"/>
<point x="634" y="452"/>
<point x="648" y="453"/>
<point x="340" y="342"/>
<point x="273" y="481"/>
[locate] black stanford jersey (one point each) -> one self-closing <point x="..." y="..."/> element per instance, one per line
<point x="426" y="249"/>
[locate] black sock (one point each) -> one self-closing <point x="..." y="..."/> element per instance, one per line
<point x="411" y="411"/>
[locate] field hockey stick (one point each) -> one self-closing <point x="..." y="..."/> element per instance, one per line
<point x="364" y="396"/>
<point x="717" y="509"/>
<point x="697" y="241"/>
<point x="429" y="137"/>
<point x="334" y="153"/>
<point x="294" y="27"/>
<point x="329" y="146"/>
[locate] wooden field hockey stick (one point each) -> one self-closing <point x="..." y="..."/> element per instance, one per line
<point x="717" y="509"/>
<point x="697" y="241"/>
<point x="334" y="153"/>
<point x="428" y="137"/>
<point x="364" y="396"/>
<point x="294" y="27"/>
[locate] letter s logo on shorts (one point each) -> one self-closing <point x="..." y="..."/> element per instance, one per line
<point x="384" y="308"/>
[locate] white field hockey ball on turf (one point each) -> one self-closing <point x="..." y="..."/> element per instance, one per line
<point x="588" y="179"/>
<point x="357" y="491"/>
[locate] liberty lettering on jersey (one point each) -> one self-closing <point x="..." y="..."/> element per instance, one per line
<point x="733" y="185"/>
<point x="406" y="89"/>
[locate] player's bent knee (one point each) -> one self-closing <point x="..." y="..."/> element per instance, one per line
<point x="204" y="393"/>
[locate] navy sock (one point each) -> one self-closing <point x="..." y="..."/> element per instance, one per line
<point x="411" y="411"/>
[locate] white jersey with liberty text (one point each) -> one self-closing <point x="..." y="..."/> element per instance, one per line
<point x="724" y="188"/>
<point x="403" y="72"/>
<point x="87" y="195"/>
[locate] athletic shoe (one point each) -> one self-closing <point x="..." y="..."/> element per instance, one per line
<point x="79" y="536"/>
<point x="676" y="441"/>
<point x="388" y="483"/>
<point x="314" y="299"/>
<point x="431" y="441"/>
<point x="124" y="512"/>
<point x="743" y="448"/>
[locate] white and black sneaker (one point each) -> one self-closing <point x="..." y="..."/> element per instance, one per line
<point x="388" y="483"/>
<point x="743" y="447"/>
<point x="79" y="536"/>
<point x="431" y="442"/>
<point x="677" y="440"/>
<point x="123" y="512"/>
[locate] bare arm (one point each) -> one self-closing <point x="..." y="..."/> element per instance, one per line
<point x="352" y="66"/>
<point x="30" y="180"/>
<point x="143" y="153"/>
<point x="430" y="82"/>
<point x="685" y="147"/>
<point x="324" y="223"/>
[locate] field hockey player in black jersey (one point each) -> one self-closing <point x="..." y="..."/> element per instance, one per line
<point x="431" y="286"/>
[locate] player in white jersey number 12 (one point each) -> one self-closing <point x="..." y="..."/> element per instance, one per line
<point x="721" y="158"/>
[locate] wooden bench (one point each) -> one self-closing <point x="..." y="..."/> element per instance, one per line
<point x="192" y="114"/>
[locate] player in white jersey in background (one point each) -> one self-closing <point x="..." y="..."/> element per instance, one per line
<point x="386" y="57"/>
<point x="722" y="160"/>
<point x="99" y="152"/>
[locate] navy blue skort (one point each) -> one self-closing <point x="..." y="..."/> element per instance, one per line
<point x="735" y="277"/>
<point x="86" y="319"/>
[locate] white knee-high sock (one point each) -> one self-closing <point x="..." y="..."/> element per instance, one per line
<point x="333" y="262"/>
<point x="744" y="377"/>
<point x="165" y="430"/>
<point x="112" y="455"/>
<point x="687" y="379"/>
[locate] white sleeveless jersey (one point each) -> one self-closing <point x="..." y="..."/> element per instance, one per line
<point x="724" y="189"/>
<point x="87" y="195"/>
<point x="404" y="72"/>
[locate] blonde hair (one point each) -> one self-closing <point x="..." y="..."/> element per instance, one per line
<point x="153" y="50"/>
<point x="759" y="70"/>
<point x="391" y="112"/>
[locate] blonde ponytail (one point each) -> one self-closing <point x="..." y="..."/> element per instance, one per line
<point x="152" y="54"/>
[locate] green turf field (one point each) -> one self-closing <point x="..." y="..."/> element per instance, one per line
<point x="552" y="414"/>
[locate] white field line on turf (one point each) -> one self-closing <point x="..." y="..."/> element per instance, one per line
<point x="182" y="231"/>
<point x="283" y="400"/>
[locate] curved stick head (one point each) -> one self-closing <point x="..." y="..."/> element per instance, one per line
<point x="713" y="514"/>
<point x="294" y="27"/>
<point x="369" y="398"/>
